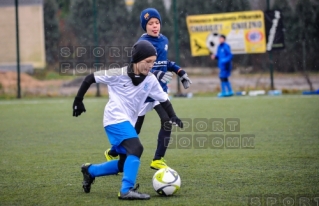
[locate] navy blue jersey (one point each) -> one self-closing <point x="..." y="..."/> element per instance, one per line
<point x="162" y="63"/>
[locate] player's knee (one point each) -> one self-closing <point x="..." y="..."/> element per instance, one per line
<point x="166" y="140"/>
<point x="167" y="127"/>
<point x="133" y="146"/>
<point x="138" y="150"/>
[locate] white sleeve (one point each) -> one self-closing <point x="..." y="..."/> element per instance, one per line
<point x="157" y="92"/>
<point x="107" y="76"/>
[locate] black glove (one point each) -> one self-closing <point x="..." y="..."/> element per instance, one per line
<point x="176" y="121"/>
<point x="78" y="106"/>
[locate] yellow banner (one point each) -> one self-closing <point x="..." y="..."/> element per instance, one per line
<point x="244" y="31"/>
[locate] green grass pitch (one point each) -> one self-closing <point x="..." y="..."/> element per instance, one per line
<point x="42" y="148"/>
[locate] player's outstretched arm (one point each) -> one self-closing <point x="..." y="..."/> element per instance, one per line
<point x="158" y="94"/>
<point x="168" y="107"/>
<point x="78" y="106"/>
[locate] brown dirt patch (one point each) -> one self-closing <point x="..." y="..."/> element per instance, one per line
<point x="29" y="85"/>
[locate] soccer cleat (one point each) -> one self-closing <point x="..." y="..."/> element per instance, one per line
<point x="132" y="194"/>
<point x="221" y="94"/>
<point x="229" y="94"/>
<point x="87" y="179"/>
<point x="110" y="157"/>
<point x="158" y="164"/>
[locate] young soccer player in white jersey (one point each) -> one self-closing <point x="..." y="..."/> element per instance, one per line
<point x="128" y="88"/>
<point x="150" y="20"/>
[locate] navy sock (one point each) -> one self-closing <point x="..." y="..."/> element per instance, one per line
<point x="162" y="143"/>
<point x="131" y="166"/>
<point x="103" y="169"/>
<point x="113" y="153"/>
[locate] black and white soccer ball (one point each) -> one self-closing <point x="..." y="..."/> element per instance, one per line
<point x="166" y="181"/>
<point x="212" y="42"/>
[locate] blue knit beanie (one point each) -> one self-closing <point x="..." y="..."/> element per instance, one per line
<point x="147" y="14"/>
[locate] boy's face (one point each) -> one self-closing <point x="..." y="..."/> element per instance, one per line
<point x="144" y="66"/>
<point x="221" y="40"/>
<point x="153" y="27"/>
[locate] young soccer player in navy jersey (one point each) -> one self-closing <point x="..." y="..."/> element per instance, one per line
<point x="224" y="57"/>
<point x="150" y="20"/>
<point x="128" y="88"/>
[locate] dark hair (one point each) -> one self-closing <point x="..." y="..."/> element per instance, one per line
<point x="223" y="36"/>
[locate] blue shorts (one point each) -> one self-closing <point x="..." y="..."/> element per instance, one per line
<point x="116" y="133"/>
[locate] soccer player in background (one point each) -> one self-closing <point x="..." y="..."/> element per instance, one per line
<point x="224" y="57"/>
<point x="150" y="20"/>
<point x="128" y="88"/>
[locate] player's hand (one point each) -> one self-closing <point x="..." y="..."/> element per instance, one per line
<point x="186" y="81"/>
<point x="78" y="106"/>
<point x="176" y="121"/>
<point x="212" y="56"/>
<point x="164" y="77"/>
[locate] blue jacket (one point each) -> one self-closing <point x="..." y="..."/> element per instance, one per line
<point x="224" y="57"/>
<point x="162" y="63"/>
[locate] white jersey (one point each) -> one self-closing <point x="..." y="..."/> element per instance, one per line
<point x="125" y="99"/>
